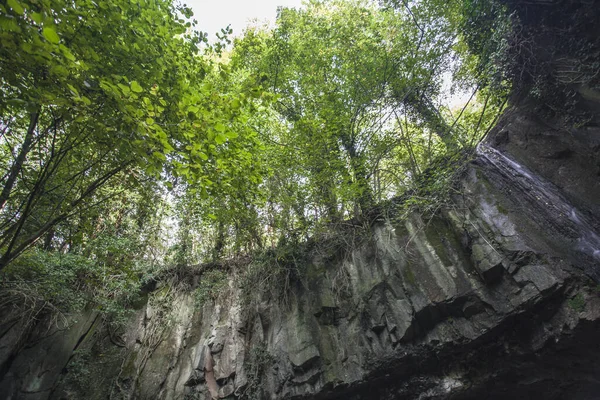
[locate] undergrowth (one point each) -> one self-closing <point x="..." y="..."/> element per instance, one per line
<point x="256" y="365"/>
<point x="433" y="189"/>
<point x="271" y="274"/>
<point x="211" y="284"/>
<point x="41" y="282"/>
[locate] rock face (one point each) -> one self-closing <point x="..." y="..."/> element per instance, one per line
<point x="495" y="297"/>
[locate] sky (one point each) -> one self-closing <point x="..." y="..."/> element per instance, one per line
<point x="213" y="15"/>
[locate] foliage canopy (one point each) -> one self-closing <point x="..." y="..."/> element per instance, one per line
<point x="130" y="145"/>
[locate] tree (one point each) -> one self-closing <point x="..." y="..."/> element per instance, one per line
<point x="91" y="93"/>
<point x="343" y="71"/>
<point x="359" y="112"/>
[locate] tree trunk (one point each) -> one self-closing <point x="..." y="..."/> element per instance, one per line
<point x="220" y="242"/>
<point x="360" y="175"/>
<point x="18" y="164"/>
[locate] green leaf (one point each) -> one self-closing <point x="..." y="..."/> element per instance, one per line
<point x="219" y="127"/>
<point x="37" y="17"/>
<point x="73" y="90"/>
<point x="50" y="35"/>
<point x="14" y="4"/>
<point x="59" y="70"/>
<point x="220" y="138"/>
<point x="27" y="47"/>
<point x="9" y="24"/>
<point x="125" y="89"/>
<point x="159" y="156"/>
<point x="67" y="53"/>
<point x="136" y="87"/>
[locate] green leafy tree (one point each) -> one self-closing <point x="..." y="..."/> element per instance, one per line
<point x="93" y="92"/>
<point x="353" y="81"/>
